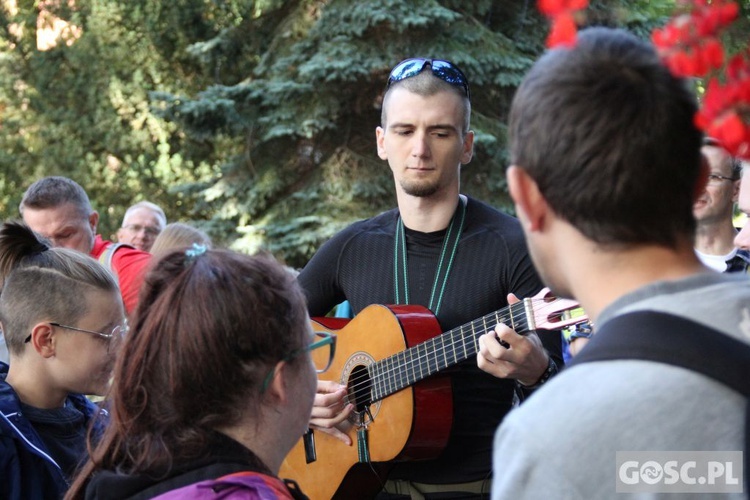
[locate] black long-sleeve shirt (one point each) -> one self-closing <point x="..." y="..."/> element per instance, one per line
<point x="492" y="260"/>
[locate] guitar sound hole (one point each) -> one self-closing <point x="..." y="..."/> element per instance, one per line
<point x="359" y="388"/>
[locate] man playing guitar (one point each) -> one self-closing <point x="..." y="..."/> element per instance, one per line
<point x="450" y="253"/>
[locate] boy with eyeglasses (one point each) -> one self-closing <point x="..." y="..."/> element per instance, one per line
<point x="451" y="253"/>
<point x="62" y="318"/>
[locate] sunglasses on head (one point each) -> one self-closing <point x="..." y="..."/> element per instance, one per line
<point x="445" y="70"/>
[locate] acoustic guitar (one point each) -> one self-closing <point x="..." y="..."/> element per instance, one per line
<point x="386" y="356"/>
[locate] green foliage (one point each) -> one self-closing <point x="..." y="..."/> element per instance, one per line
<point x="81" y="108"/>
<point x="306" y="109"/>
<point x="256" y="118"/>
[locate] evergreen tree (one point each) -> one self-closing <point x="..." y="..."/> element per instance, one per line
<point x="258" y="116"/>
<point x="81" y="108"/>
<point x="303" y="162"/>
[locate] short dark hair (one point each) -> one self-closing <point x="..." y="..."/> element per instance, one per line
<point x="607" y="133"/>
<point x="51" y="192"/>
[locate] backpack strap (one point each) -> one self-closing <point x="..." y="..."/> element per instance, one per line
<point x="105" y="258"/>
<point x="665" y="338"/>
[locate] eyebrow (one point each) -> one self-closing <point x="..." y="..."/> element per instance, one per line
<point x="439" y="126"/>
<point x="64" y="229"/>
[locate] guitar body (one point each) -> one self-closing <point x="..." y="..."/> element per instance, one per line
<point x="413" y="423"/>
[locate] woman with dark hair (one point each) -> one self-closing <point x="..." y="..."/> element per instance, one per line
<point x="215" y="385"/>
<point x="62" y="318"/>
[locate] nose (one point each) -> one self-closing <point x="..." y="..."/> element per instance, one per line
<point x="420" y="147"/>
<point x="742" y="240"/>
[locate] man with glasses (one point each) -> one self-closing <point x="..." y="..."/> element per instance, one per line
<point x="714" y="212"/>
<point x="141" y="225"/>
<point x="451" y="253"/>
<point x="59" y="209"/>
<point x="742" y="240"/>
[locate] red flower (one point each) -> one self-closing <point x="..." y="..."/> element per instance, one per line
<point x="688" y="42"/>
<point x="713" y="53"/>
<point x="563" y="31"/>
<point x="552" y="8"/>
<point x="561" y="14"/>
<point x="726" y="110"/>
<point x="732" y="133"/>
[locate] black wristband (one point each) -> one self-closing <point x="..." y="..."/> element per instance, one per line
<point x="548" y="372"/>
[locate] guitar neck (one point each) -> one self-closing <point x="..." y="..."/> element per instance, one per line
<point x="404" y="369"/>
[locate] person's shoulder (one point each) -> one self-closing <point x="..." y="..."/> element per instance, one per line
<point x="240" y="485"/>
<point x="383" y="219"/>
<point x="491" y="216"/>
<point x="9" y="402"/>
<point x="383" y="222"/>
<point x="86" y="406"/>
<point x="484" y="219"/>
<point x="126" y="254"/>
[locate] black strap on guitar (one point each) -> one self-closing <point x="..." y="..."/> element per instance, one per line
<point x="669" y="339"/>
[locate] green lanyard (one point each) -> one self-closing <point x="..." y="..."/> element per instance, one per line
<point x="450" y="244"/>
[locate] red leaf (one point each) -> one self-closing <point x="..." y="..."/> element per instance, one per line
<point x="729" y="130"/>
<point x="554" y="8"/>
<point x="563" y="32"/>
<point x="551" y="8"/>
<point x="713" y="53"/>
<point x="729" y="12"/>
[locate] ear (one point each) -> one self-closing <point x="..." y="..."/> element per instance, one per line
<point x="43" y="339"/>
<point x="380" y="141"/>
<point x="736" y="190"/>
<point x="278" y="389"/>
<point x="700" y="184"/>
<point x="530" y="204"/>
<point x="94" y="220"/>
<point x="468" y="147"/>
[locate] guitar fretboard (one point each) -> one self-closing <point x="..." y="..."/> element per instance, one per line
<point x="401" y="370"/>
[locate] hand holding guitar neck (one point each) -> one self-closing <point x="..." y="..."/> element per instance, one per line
<point x="506" y="354"/>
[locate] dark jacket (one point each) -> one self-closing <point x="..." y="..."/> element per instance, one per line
<point x="27" y="471"/>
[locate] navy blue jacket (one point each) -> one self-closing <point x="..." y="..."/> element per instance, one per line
<point x="27" y="471"/>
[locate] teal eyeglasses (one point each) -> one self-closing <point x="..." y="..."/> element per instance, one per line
<point x="323" y="350"/>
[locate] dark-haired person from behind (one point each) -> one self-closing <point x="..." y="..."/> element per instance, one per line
<point x="606" y="201"/>
<point x="217" y="386"/>
<point x="62" y="317"/>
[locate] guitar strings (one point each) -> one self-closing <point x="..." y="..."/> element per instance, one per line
<point x="468" y="331"/>
<point x="463" y="332"/>
<point x="390" y="384"/>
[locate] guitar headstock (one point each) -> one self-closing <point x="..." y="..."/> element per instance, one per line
<point x="552" y="313"/>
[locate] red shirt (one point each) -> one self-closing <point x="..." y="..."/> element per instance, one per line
<point x="130" y="266"/>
